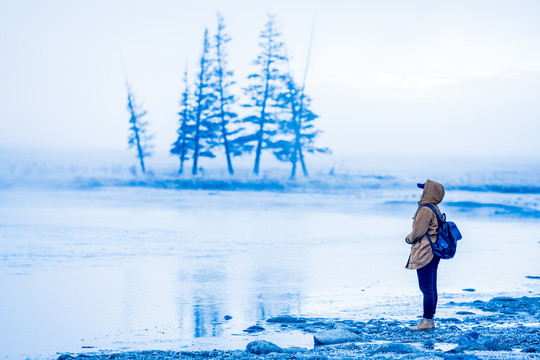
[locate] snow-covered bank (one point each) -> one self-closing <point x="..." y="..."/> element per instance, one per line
<point x="508" y="194"/>
<point x="330" y="174"/>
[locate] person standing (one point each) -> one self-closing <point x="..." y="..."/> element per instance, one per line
<point x="422" y="258"/>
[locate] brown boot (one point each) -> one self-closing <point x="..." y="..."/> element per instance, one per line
<point x="424" y="324"/>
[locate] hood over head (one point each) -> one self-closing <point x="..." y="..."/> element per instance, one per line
<point x="433" y="193"/>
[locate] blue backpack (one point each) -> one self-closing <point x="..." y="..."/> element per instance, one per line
<point x="449" y="234"/>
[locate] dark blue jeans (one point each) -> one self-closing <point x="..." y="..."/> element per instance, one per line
<point x="427" y="279"/>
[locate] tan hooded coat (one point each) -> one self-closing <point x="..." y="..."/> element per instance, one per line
<point x="425" y="221"/>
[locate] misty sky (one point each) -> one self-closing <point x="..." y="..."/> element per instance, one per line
<point x="386" y="77"/>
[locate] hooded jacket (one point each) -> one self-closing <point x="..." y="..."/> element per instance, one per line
<point x="425" y="221"/>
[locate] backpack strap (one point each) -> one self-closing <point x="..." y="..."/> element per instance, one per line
<point x="439" y="220"/>
<point x="429" y="239"/>
<point x="434" y="210"/>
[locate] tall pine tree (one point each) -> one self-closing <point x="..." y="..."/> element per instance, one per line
<point x="305" y="134"/>
<point x="205" y="129"/>
<point x="297" y="132"/>
<point x="263" y="91"/>
<point x="139" y="137"/>
<point x="184" y="143"/>
<point x="222" y="82"/>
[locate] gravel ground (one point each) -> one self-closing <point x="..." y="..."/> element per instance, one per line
<point x="502" y="328"/>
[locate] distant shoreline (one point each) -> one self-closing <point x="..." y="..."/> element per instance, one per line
<point x="385" y="193"/>
<point x="320" y="184"/>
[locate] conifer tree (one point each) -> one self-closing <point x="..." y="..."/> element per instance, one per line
<point x="305" y="134"/>
<point x="263" y="91"/>
<point x="184" y="143"/>
<point x="222" y="82"/>
<point x="297" y="132"/>
<point x="138" y="133"/>
<point x="205" y="129"/>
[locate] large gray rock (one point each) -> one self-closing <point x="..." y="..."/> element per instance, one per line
<point x="336" y="336"/>
<point x="254" y="328"/>
<point x="65" y="357"/>
<point x="465" y="313"/>
<point x="469" y="341"/>
<point x="474" y="341"/>
<point x="262" y="347"/>
<point x="493" y="344"/>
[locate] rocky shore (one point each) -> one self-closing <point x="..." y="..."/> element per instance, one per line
<point x="501" y="328"/>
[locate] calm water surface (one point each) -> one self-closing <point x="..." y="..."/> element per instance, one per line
<point x="133" y="268"/>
